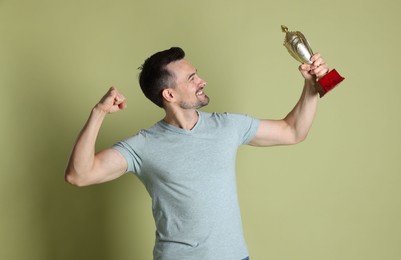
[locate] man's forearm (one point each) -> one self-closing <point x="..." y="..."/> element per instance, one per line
<point x="300" y="119"/>
<point x="82" y="157"/>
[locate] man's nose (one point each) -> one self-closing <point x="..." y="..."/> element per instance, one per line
<point x="202" y="82"/>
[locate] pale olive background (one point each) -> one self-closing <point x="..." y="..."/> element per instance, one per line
<point x="335" y="196"/>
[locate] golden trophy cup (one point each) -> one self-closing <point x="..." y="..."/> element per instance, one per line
<point x="299" y="48"/>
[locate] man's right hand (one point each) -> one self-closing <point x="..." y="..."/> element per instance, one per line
<point x="112" y="101"/>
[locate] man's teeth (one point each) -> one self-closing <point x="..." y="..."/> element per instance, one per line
<point x="199" y="93"/>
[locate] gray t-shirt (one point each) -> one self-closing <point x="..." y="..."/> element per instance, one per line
<point x="190" y="176"/>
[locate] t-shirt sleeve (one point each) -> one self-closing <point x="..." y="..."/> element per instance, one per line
<point x="246" y="126"/>
<point x="131" y="149"/>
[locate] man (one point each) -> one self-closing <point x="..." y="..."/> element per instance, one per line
<point x="187" y="160"/>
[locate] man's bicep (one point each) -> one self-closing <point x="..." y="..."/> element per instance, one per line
<point x="110" y="164"/>
<point x="272" y="132"/>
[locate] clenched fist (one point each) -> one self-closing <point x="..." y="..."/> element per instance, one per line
<point x="316" y="70"/>
<point x="112" y="101"/>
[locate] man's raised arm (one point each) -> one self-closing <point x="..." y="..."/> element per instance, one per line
<point x="85" y="166"/>
<point x="295" y="126"/>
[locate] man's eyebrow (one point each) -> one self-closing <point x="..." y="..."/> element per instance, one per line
<point x="192" y="74"/>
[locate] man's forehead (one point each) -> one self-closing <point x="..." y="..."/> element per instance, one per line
<point x="180" y="66"/>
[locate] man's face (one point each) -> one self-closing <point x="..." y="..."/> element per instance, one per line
<point x="189" y="86"/>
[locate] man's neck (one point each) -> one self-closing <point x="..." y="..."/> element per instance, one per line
<point x="185" y="119"/>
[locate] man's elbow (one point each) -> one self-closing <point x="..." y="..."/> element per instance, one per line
<point x="72" y="178"/>
<point x="299" y="138"/>
<point x="69" y="178"/>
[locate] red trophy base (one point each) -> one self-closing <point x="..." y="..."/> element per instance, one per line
<point x="328" y="82"/>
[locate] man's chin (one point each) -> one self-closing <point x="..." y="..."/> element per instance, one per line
<point x="205" y="102"/>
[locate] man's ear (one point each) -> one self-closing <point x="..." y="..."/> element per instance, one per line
<point x="168" y="95"/>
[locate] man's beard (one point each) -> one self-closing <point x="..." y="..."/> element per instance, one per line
<point x="197" y="105"/>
